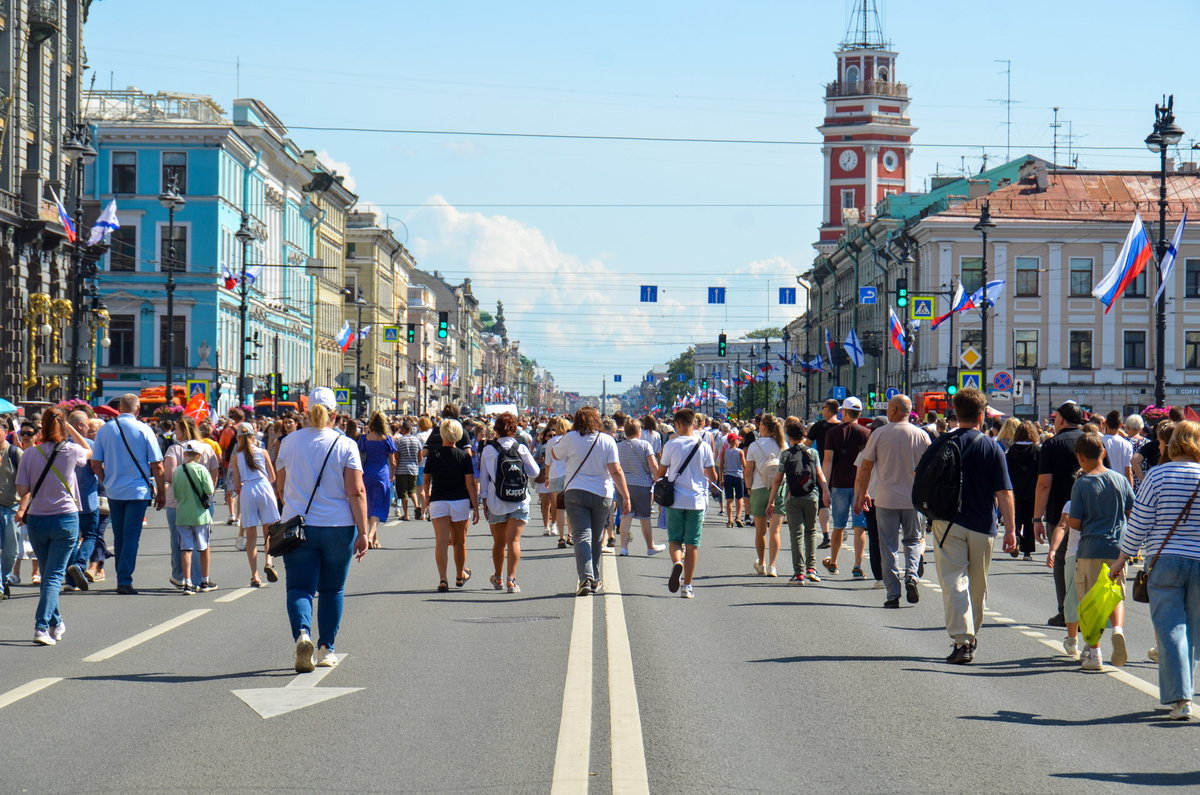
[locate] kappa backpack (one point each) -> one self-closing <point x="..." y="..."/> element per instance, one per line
<point x="801" y="472"/>
<point x="937" y="487"/>
<point x="512" y="484"/>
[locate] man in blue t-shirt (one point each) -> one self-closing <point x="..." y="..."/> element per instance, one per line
<point x="964" y="547"/>
<point x="89" y="510"/>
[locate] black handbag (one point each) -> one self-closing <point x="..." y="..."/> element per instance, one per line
<point x="286" y="537"/>
<point x="1141" y="583"/>
<point x="664" y="488"/>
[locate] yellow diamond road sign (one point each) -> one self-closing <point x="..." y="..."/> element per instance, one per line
<point x="970" y="357"/>
<point x="922" y="307"/>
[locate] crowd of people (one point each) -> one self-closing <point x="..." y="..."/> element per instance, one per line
<point x="1100" y="491"/>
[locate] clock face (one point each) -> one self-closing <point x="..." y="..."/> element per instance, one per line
<point x="848" y="160"/>
<point x="891" y="161"/>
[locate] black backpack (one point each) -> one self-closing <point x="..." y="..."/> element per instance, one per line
<point x="512" y="484"/>
<point x="937" y="487"/>
<point x="801" y="472"/>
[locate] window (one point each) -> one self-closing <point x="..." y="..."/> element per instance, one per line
<point x="179" y="263"/>
<point x="1027" y="276"/>
<point x="180" y="340"/>
<point x="971" y="338"/>
<point x="351" y="293"/>
<point x="883" y="73"/>
<point x="852" y="76"/>
<point x="847" y="199"/>
<point x="175" y="164"/>
<point x="124" y="172"/>
<point x="1135" y="350"/>
<point x="351" y="250"/>
<point x="1081" y="276"/>
<point x="1192" y="350"/>
<point x="1137" y="287"/>
<point x="972" y="274"/>
<point x="1191" y="286"/>
<point x="1027" y="349"/>
<point x="123" y="255"/>
<point x="120" y="335"/>
<point x="1081" y="350"/>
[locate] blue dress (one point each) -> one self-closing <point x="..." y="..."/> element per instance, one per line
<point x="375" y="475"/>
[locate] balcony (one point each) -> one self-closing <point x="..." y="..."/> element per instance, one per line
<point x="44" y="20"/>
<point x="866" y="88"/>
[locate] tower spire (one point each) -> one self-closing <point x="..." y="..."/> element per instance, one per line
<point x="864" y="31"/>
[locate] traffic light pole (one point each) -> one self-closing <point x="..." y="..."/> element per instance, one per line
<point x="275" y="370"/>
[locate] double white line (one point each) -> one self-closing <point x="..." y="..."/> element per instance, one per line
<point x="573" y="756"/>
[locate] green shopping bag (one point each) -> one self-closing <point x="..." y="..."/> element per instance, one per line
<point x="1097" y="605"/>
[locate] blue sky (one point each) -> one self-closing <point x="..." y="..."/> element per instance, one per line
<point x="568" y="275"/>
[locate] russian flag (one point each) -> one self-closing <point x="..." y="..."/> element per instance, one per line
<point x="64" y="217"/>
<point x="899" y="341"/>
<point x="1130" y="262"/>
<point x="829" y="343"/>
<point x="345" y="336"/>
<point x="230" y="280"/>
<point x="956" y="305"/>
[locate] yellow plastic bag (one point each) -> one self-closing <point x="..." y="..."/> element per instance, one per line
<point x="1097" y="605"/>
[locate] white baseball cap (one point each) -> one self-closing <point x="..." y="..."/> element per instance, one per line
<point x="852" y="403"/>
<point x="245" y="429"/>
<point x="196" y="447"/>
<point x="323" y="396"/>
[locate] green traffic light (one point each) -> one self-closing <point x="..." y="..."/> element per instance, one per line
<point x="951" y="389"/>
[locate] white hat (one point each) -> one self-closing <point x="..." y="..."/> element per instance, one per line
<point x="852" y="403"/>
<point x="195" y="446"/>
<point x="245" y="429"/>
<point x="323" y="396"/>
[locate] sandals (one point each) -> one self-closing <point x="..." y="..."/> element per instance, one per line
<point x="497" y="583"/>
<point x="562" y="543"/>
<point x="269" y="570"/>
<point x="830" y="566"/>
<point x="443" y="587"/>
<point x="512" y="585"/>
<point x="255" y="584"/>
<point x="461" y="581"/>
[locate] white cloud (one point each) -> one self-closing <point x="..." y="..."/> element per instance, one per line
<point x="340" y="167"/>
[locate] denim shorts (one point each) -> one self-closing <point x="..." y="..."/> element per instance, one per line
<point x="193" y="537"/>
<point x="521" y="515"/>
<point x="840" y="515"/>
<point x="735" y="487"/>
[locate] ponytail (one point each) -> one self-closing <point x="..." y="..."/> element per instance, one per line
<point x="318" y="416"/>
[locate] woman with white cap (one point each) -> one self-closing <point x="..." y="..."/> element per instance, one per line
<point x="319" y="477"/>
<point x="253" y="477"/>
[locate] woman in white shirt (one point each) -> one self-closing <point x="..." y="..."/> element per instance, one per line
<point x="319" y="477"/>
<point x="558" y="474"/>
<point x="592" y="470"/>
<point x="506" y="517"/>
<point x="762" y="460"/>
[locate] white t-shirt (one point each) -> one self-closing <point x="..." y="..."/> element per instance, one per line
<point x="1072" y="538"/>
<point x="301" y="455"/>
<point x="691" y="491"/>
<point x="558" y="468"/>
<point x="487" y="475"/>
<point x="593" y="475"/>
<point x="761" y="451"/>
<point x="1120" y="452"/>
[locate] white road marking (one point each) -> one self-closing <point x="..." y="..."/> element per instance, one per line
<point x="1033" y="634"/>
<point x="629" y="773"/>
<point x="27" y="689"/>
<point x="999" y="619"/>
<point x="572" y="757"/>
<point x="301" y="692"/>
<point x="232" y="595"/>
<point x="142" y="637"/>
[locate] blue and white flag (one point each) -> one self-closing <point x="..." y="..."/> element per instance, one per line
<point x="1168" y="263"/>
<point x="854" y="349"/>
<point x="107" y="222"/>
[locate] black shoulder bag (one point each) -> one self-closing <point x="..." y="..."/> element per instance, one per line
<point x="664" y="488"/>
<point x="560" y="499"/>
<point x="205" y="499"/>
<point x="285" y="537"/>
<point x="132" y="457"/>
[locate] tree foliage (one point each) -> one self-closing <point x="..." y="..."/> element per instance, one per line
<point x="684" y="364"/>
<point x="762" y="333"/>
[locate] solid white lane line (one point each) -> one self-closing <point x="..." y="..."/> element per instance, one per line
<point x="27" y="689"/>
<point x="1033" y="634"/>
<point x="232" y="595"/>
<point x="142" y="637"/>
<point x="629" y="774"/>
<point x="572" y="757"/>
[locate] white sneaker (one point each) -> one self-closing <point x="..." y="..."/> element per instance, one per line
<point x="654" y="550"/>
<point x="240" y="544"/>
<point x="1120" y="655"/>
<point x="759" y="568"/>
<point x="43" y="638"/>
<point x="771" y="571"/>
<point x="304" y="653"/>
<point x="1152" y="655"/>
<point x="625" y="552"/>
<point x="58" y="632"/>
<point x="1071" y="647"/>
<point x="686" y="592"/>
<point x="326" y="658"/>
<point x="1182" y="711"/>
<point x="1093" y="660"/>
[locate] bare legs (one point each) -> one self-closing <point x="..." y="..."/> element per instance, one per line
<point x="448" y="533"/>
<point x="767" y="550"/>
<point x="688" y="556"/>
<point x="252" y="550"/>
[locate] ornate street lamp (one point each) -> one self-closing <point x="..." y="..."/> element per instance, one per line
<point x="245" y="236"/>
<point x="172" y="201"/>
<point x="985" y="225"/>
<point x="1166" y="134"/>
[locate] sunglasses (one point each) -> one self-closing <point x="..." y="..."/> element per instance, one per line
<point x="27" y="433"/>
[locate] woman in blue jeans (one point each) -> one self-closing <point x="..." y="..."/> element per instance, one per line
<point x="592" y="469"/>
<point x="50" y="510"/>
<point x="319" y="476"/>
<point x="1170" y="493"/>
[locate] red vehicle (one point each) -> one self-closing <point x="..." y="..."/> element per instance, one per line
<point x="923" y="402"/>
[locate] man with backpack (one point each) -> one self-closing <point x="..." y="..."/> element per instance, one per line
<point x="960" y="480"/>
<point x="843" y="443"/>
<point x="806" y="490"/>
<point x="892" y="454"/>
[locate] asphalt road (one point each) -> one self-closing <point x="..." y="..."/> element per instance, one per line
<point x="753" y="686"/>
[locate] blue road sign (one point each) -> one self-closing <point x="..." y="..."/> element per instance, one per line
<point x="867" y="295"/>
<point x="839" y="392"/>
<point x="891" y="392"/>
<point x="342" y="396"/>
<point x="650" y="377"/>
<point x="787" y="295"/>
<point x="1002" y="381"/>
<point x="649" y="294"/>
<point x="716" y="295"/>
<point x="970" y="379"/>
<point x="616" y="379"/>
<point x="681" y="377"/>
<point x="691" y="382"/>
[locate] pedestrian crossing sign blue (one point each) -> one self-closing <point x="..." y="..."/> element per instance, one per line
<point x="787" y="295"/>
<point x="197" y="387"/>
<point x="616" y="379"/>
<point x="716" y="295"/>
<point x="391" y="333"/>
<point x="970" y="379"/>
<point x="922" y="307"/>
<point x="342" y="396"/>
<point x="649" y="294"/>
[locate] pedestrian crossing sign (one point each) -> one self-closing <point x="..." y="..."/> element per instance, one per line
<point x="922" y="307"/>
<point x="342" y="396"/>
<point x="970" y="379"/>
<point x="197" y="387"/>
<point x="391" y="334"/>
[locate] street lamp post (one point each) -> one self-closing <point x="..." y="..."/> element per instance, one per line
<point x="787" y="337"/>
<point x="753" y="379"/>
<point x="985" y="225"/>
<point x="1165" y="135"/>
<point x="767" y="375"/>
<point x="172" y="201"/>
<point x="807" y="367"/>
<point x="909" y="332"/>
<point x="79" y="153"/>
<point x="425" y="380"/>
<point x="739" y="389"/>
<point x="244" y="236"/>
<point x="358" y="345"/>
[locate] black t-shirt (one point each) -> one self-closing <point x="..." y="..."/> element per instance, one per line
<point x="1150" y="454"/>
<point x="435" y="441"/>
<point x="448" y="468"/>
<point x="984" y="472"/>
<point x="816" y="433"/>
<point x="1057" y="458"/>
<point x="846" y="440"/>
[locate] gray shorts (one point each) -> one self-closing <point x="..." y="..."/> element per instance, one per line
<point x="193" y="537"/>
<point x="556" y="484"/>
<point x="640" y="502"/>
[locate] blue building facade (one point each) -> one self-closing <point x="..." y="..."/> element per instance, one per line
<point x="226" y="168"/>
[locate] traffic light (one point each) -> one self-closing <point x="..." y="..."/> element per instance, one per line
<point x="271" y="382"/>
<point x="443" y="325"/>
<point x="283" y="391"/>
<point x="704" y="383"/>
<point x="902" y="293"/>
<point x="412" y="333"/>
<point x="952" y="382"/>
<point x="721" y="345"/>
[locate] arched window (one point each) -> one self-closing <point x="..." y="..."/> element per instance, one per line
<point x="852" y="76"/>
<point x="883" y="74"/>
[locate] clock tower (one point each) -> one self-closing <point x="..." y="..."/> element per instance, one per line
<point x="866" y="131"/>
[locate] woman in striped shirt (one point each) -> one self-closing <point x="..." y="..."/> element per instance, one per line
<point x="1174" y="584"/>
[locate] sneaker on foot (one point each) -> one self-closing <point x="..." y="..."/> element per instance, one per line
<point x="1071" y="647"/>
<point x="811" y="575"/>
<point x="207" y="585"/>
<point x="878" y="585"/>
<point x="1152" y="655"/>
<point x="1120" y="655"/>
<point x="75" y="572"/>
<point x="857" y="573"/>
<point x="624" y="552"/>
<point x="1093" y="660"/>
<point x="584" y="589"/>
<point x="304" y="653"/>
<point x="961" y="655"/>
<point x="824" y="544"/>
<point x="188" y="589"/>
<point x="797" y="578"/>
<point x="676" y="574"/>
<point x="771" y="571"/>
<point x="42" y="637"/>
<point x="326" y="658"/>
<point x="686" y="592"/>
<point x="597" y="586"/>
<point x="910" y="591"/>
<point x="240" y="544"/>
<point x="179" y="584"/>
<point x="1181" y="711"/>
<point x="892" y="604"/>
<point x="58" y="631"/>
<point x="654" y="550"/>
<point x="759" y="568"/>
<point x="1056" y="620"/>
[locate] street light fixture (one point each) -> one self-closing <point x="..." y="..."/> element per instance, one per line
<point x="787" y="337"/>
<point x="79" y="153"/>
<point x="172" y="201"/>
<point x="909" y="263"/>
<point x="1165" y="135"/>
<point x="985" y="225"/>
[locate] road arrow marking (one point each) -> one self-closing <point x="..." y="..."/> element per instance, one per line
<point x="299" y="693"/>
